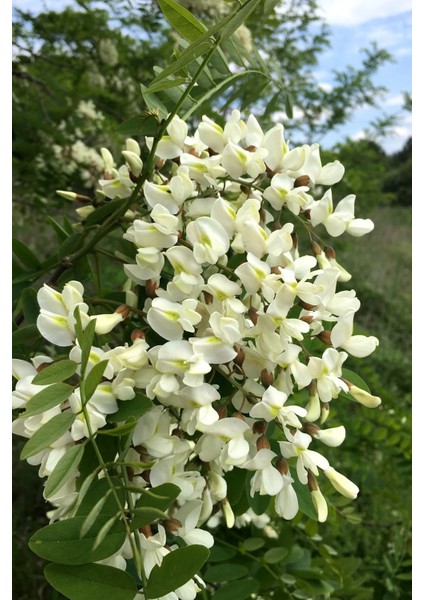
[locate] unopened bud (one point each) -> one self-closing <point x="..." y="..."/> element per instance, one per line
<point x="282" y="466"/>
<point x="325" y="411"/>
<point x="253" y="315"/>
<point x="302" y="180"/>
<point x="172" y="525"/>
<point x="241" y="355"/>
<point x="108" y="161"/>
<point x="262" y="442"/>
<point x="320" y="505"/>
<point x="222" y="411"/>
<point x="307" y="306"/>
<point x="363" y="397"/>
<point x="228" y="513"/>
<point x="295" y="239"/>
<point x="310" y="428"/>
<point x="267" y="378"/>
<point x="333" y="437"/>
<point x="72" y="196"/>
<point x="85" y="211"/>
<point x="325" y="337"/>
<point x="316" y="249"/>
<point x="260" y="427"/>
<point x="329" y="252"/>
<point x="159" y="163"/>
<point x="146" y="476"/>
<point x="313" y="407"/>
<point x="137" y="334"/>
<point x="146" y="531"/>
<point x="208" y="297"/>
<point x="132" y="146"/>
<point x="124" y="310"/>
<point x="341" y="483"/>
<point x="105" y="323"/>
<point x="307" y="319"/>
<point x="130" y="473"/>
<point x="151" y="287"/>
<point x="238" y="415"/>
<point x="134" y="162"/>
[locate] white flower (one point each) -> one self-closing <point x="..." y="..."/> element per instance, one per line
<point x="327" y="371"/>
<point x="209" y="240"/>
<point x="341" y="483"/>
<point x="272" y="407"/>
<point x="266" y="480"/>
<point x="357" y="345"/>
<point x="171" y="319"/>
<point x="286" y="502"/>
<point x="306" y="459"/>
<point x="341" y="219"/>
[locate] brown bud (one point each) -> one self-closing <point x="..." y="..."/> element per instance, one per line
<point x="130" y="473"/>
<point x="295" y="239"/>
<point x="302" y="180"/>
<point x="124" y="310"/>
<point x="178" y="433"/>
<point x="282" y="466"/>
<point x="325" y="337"/>
<point x="238" y="370"/>
<point x="241" y="355"/>
<point x="262" y="442"/>
<point x="259" y="427"/>
<point x="172" y="525"/>
<point x="146" y="476"/>
<point x="208" y="297"/>
<point x="307" y="319"/>
<point x="159" y="163"/>
<point x="193" y="152"/>
<point x="316" y="248"/>
<point x="312" y="482"/>
<point x="151" y="288"/>
<point x="251" y="148"/>
<point x="329" y="252"/>
<point x="146" y="530"/>
<point x="311" y="428"/>
<point x="270" y="172"/>
<point x="267" y="378"/>
<point x="276" y="226"/>
<point x="307" y="213"/>
<point x="253" y="315"/>
<point x="238" y="415"/>
<point x="137" y="334"/>
<point x="276" y="270"/>
<point x="307" y="306"/>
<point x="262" y="214"/>
<point x="42" y="367"/>
<point x="222" y="411"/>
<point x="134" y="178"/>
<point x="245" y="189"/>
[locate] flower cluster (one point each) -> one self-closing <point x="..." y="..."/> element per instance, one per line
<point x="238" y="340"/>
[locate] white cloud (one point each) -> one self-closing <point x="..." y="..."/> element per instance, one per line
<point x="397" y="100"/>
<point x="359" y="135"/>
<point x="356" y="12"/>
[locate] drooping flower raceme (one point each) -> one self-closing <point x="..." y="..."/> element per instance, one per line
<point x="227" y="318"/>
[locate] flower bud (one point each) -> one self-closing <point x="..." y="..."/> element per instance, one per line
<point x="172" y="525"/>
<point x="307" y="306"/>
<point x="241" y="355"/>
<point x="253" y="315"/>
<point x="262" y="442"/>
<point x="151" y="288"/>
<point x="124" y="311"/>
<point x="238" y="415"/>
<point x="325" y="337"/>
<point x="132" y="146"/>
<point x="137" y="334"/>
<point x="311" y="429"/>
<point x="302" y="181"/>
<point x="325" y="411"/>
<point x="146" y="531"/>
<point x="72" y="196"/>
<point x="295" y="239"/>
<point x="131" y="298"/>
<point x="341" y="483"/>
<point x="228" y="513"/>
<point x="260" y="427"/>
<point x="267" y="378"/>
<point x="105" y="323"/>
<point x="222" y="411"/>
<point x="85" y="211"/>
<point x="316" y="248"/>
<point x="363" y="397"/>
<point x="282" y="466"/>
<point x="313" y="407"/>
<point x="208" y="297"/>
<point x="134" y="162"/>
<point x="333" y="437"/>
<point x="320" y="505"/>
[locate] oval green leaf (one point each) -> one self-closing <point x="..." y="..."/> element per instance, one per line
<point x="47" y="398"/>
<point x="225" y="572"/>
<point x="91" y="582"/>
<point x="237" y="590"/>
<point x="66" y="466"/>
<point x="61" y="541"/>
<point x="56" y="372"/>
<point x="47" y="434"/>
<point x="177" y="567"/>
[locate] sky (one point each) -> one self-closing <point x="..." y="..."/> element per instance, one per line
<point x="354" y="25"/>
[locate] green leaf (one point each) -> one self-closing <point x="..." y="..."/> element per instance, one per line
<point x="252" y="544"/>
<point x="61" y="541"/>
<point x="25" y="255"/>
<point x="306" y="506"/>
<point x="219" y="553"/>
<point x="146" y="515"/>
<point x="168" y="83"/>
<point x="355" y="379"/>
<point x="168" y="492"/>
<point x="66" y="466"/>
<point x="56" y="372"/>
<point x="136" y="407"/>
<point x="97" y="490"/>
<point x="30" y="305"/>
<point x="177" y="567"/>
<point x="181" y="20"/>
<point x="188" y="56"/>
<point x="102" y="212"/>
<point x="269" y="6"/>
<point x="94" y="378"/>
<point x="237" y="590"/>
<point x="238" y="19"/>
<point x="25" y="335"/>
<point x="153" y="102"/>
<point x="47" y="398"/>
<point x="121" y="429"/>
<point x="94" y="512"/>
<point x="141" y="124"/>
<point x="275" y="555"/>
<point x="225" y="572"/>
<point x="235" y="479"/>
<point x="289" y="106"/>
<point x="47" y="434"/>
<point x="91" y="582"/>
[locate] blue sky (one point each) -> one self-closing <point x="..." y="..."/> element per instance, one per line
<point x="354" y="25"/>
